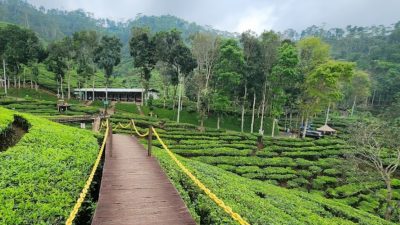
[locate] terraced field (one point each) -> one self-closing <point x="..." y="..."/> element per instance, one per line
<point x="43" y="107"/>
<point x="312" y="166"/>
<point x="43" y="174"/>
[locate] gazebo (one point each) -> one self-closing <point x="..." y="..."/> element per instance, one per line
<point x="325" y="129"/>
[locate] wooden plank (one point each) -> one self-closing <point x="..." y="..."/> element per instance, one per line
<point x="135" y="190"/>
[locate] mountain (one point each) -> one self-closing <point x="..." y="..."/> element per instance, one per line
<point x="52" y="24"/>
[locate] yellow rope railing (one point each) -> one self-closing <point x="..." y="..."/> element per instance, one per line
<point x="133" y="128"/>
<point x="85" y="189"/>
<point x="136" y="130"/>
<point x="211" y="195"/>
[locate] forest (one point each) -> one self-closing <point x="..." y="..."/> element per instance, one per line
<point x="244" y="105"/>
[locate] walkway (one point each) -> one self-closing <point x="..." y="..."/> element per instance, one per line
<point x="134" y="189"/>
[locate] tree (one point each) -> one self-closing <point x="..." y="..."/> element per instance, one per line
<point x="85" y="43"/>
<point x="359" y="88"/>
<point x="228" y="74"/>
<point x="323" y="86"/>
<point x="220" y="103"/>
<point x="283" y="79"/>
<point x="252" y="73"/>
<point x="142" y="49"/>
<point x="57" y="62"/>
<point x="312" y="52"/>
<point x="269" y="42"/>
<point x="376" y="146"/>
<point x="108" y="55"/>
<point x="18" y="46"/>
<point x="205" y="50"/>
<point x="171" y="50"/>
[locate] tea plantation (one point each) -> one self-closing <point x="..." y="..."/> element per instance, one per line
<point x="43" y="174"/>
<point x="316" y="170"/>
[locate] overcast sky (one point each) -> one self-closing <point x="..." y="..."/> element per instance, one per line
<point x="241" y="15"/>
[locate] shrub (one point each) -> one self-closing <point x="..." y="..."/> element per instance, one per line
<point x="43" y="174"/>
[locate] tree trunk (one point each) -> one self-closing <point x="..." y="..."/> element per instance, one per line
<point x="244" y="100"/>
<point x="305" y="127"/>
<point x="389" y="196"/>
<point x="252" y="114"/>
<point x="61" y="86"/>
<point x="273" y="127"/>
<point x="218" y="120"/>
<point x="94" y="78"/>
<point x="24" y="81"/>
<point x="5" y="77"/>
<point x="327" y="113"/>
<point x="107" y="89"/>
<point x="354" y="105"/>
<point x="290" y="119"/>
<point x="86" y="91"/>
<point x="373" y="98"/>
<point x="179" y="100"/>
<point x="261" y="131"/>
<point x="19" y="81"/>
<point x="198" y="101"/>
<point x="165" y="95"/>
<point x="69" y="86"/>
<point x="174" y="97"/>
<point x="379" y="99"/>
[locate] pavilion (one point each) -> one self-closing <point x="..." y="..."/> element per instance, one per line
<point x="325" y="129"/>
<point x="114" y="94"/>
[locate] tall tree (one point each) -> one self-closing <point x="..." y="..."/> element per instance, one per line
<point x="85" y="43"/>
<point x="142" y="49"/>
<point x="253" y="73"/>
<point x="359" y="88"/>
<point x="270" y="43"/>
<point x="173" y="51"/>
<point x="284" y="79"/>
<point x="229" y="73"/>
<point x="205" y="48"/>
<point x="108" y="55"/>
<point x="324" y="86"/>
<point x="312" y="53"/>
<point x="57" y="63"/>
<point x="18" y="46"/>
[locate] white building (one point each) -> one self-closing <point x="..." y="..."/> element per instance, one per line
<point x="114" y="94"/>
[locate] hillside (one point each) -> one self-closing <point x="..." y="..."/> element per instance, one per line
<point x="53" y="24"/>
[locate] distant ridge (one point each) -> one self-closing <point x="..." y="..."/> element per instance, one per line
<point x="53" y="24"/>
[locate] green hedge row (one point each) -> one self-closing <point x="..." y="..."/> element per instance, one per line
<point x="43" y="174"/>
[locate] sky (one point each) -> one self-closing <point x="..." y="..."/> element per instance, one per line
<point x="242" y="15"/>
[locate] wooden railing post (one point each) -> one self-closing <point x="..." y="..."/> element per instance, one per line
<point x="149" y="140"/>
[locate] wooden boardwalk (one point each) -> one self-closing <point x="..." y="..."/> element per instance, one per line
<point x="135" y="191"/>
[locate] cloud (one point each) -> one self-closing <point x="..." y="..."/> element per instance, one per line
<point x="241" y="15"/>
<point x="257" y="20"/>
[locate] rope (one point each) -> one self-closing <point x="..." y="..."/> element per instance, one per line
<point x="211" y="195"/>
<point x="137" y="132"/>
<point x="85" y="189"/>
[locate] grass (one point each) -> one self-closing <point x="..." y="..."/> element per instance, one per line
<point x="31" y="93"/>
<point x="228" y="122"/>
<point x="127" y="107"/>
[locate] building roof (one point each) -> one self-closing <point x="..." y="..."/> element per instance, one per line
<point x="326" y="128"/>
<point x="120" y="90"/>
